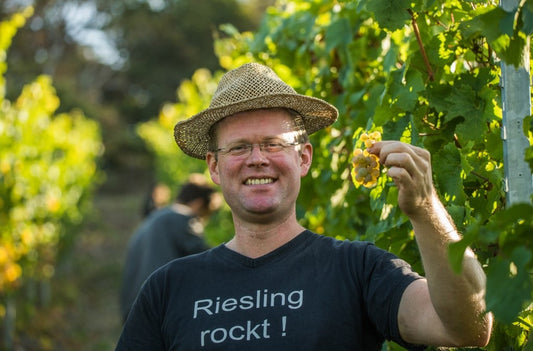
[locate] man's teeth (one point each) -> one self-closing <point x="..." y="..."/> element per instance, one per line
<point x="259" y="181"/>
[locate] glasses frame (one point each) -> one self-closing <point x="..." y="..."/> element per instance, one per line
<point x="244" y="149"/>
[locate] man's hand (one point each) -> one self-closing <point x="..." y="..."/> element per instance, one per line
<point x="410" y="168"/>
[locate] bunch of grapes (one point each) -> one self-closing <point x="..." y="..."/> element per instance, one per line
<point x="365" y="169"/>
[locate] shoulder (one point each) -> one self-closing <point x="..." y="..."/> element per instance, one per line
<point x="160" y="212"/>
<point x="363" y="256"/>
<point x="367" y="248"/>
<point x="332" y="244"/>
<point x="166" y="219"/>
<point x="191" y="264"/>
<point x="350" y="254"/>
<point x="154" y="219"/>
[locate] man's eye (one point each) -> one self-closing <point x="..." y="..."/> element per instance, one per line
<point x="238" y="148"/>
<point x="273" y="146"/>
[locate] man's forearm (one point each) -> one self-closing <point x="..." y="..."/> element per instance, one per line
<point x="457" y="298"/>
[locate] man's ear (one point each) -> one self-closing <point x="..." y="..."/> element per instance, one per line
<point x="212" y="164"/>
<point x="306" y="158"/>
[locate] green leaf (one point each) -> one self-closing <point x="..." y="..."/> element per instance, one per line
<point x="529" y="4"/>
<point x="529" y="157"/>
<point x="375" y="96"/>
<point x="527" y="20"/>
<point x="509" y="285"/>
<point x="391" y="15"/>
<point x="405" y="87"/>
<point x="460" y="103"/>
<point x="393" y="130"/>
<point x="383" y="114"/>
<point x="515" y="53"/>
<point x="507" y="23"/>
<point x="514" y="214"/>
<point x="484" y="23"/>
<point x="460" y="100"/>
<point x="457" y="212"/>
<point x="456" y="253"/>
<point x="448" y="173"/>
<point x="528" y="125"/>
<point x="390" y="58"/>
<point x="336" y="33"/>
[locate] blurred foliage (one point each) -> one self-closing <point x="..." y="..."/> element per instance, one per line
<point x="425" y="72"/>
<point x="48" y="169"/>
<point x="119" y="61"/>
<point x="179" y="38"/>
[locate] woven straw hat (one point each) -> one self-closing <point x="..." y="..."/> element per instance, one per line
<point x="249" y="87"/>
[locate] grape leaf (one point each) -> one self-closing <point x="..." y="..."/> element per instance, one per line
<point x="527" y="20"/>
<point x="391" y="15"/>
<point x="405" y="87"/>
<point x="529" y="157"/>
<point x="507" y="23"/>
<point x="509" y="285"/>
<point x="336" y="33"/>
<point x="448" y="173"/>
<point x="456" y="253"/>
<point x="484" y="24"/>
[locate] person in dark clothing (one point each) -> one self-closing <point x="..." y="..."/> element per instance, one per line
<point x="167" y="233"/>
<point x="276" y="285"/>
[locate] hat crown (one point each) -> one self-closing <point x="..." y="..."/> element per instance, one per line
<point x="250" y="87"/>
<point x="247" y="82"/>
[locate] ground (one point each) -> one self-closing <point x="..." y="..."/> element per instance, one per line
<point x="80" y="309"/>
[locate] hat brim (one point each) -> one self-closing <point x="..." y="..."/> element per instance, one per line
<point x="192" y="135"/>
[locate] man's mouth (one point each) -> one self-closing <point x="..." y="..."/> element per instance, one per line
<point x="258" y="181"/>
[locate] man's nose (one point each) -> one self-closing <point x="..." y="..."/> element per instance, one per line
<point x="257" y="155"/>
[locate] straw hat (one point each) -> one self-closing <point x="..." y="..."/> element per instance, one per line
<point x="249" y="87"/>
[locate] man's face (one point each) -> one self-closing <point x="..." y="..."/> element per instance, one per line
<point x="258" y="185"/>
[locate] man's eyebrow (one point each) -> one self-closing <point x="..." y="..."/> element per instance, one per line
<point x="262" y="139"/>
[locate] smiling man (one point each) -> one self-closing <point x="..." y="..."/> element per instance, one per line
<point x="276" y="285"/>
<point x="260" y="177"/>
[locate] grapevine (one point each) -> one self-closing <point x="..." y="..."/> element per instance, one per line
<point x="366" y="169"/>
<point x="48" y="170"/>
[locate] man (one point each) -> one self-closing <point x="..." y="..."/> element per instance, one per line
<point x="166" y="234"/>
<point x="276" y="285"/>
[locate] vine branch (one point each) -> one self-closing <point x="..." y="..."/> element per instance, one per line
<point x="421" y="45"/>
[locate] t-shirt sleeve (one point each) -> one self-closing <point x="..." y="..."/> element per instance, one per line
<point x="386" y="277"/>
<point x="142" y="330"/>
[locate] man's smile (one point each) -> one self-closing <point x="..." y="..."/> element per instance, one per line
<point x="259" y="181"/>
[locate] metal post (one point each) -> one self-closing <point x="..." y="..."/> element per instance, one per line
<point x="516" y="101"/>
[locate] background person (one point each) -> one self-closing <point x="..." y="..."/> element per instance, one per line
<point x="166" y="234"/>
<point x="158" y="195"/>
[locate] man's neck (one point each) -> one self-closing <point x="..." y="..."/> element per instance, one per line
<point x="258" y="240"/>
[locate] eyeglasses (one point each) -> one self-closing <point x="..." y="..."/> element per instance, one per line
<point x="245" y="149"/>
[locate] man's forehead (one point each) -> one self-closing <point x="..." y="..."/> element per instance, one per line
<point x="266" y="119"/>
<point x="263" y="112"/>
<point x="263" y="137"/>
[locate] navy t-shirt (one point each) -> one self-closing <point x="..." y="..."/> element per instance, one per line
<point x="313" y="293"/>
